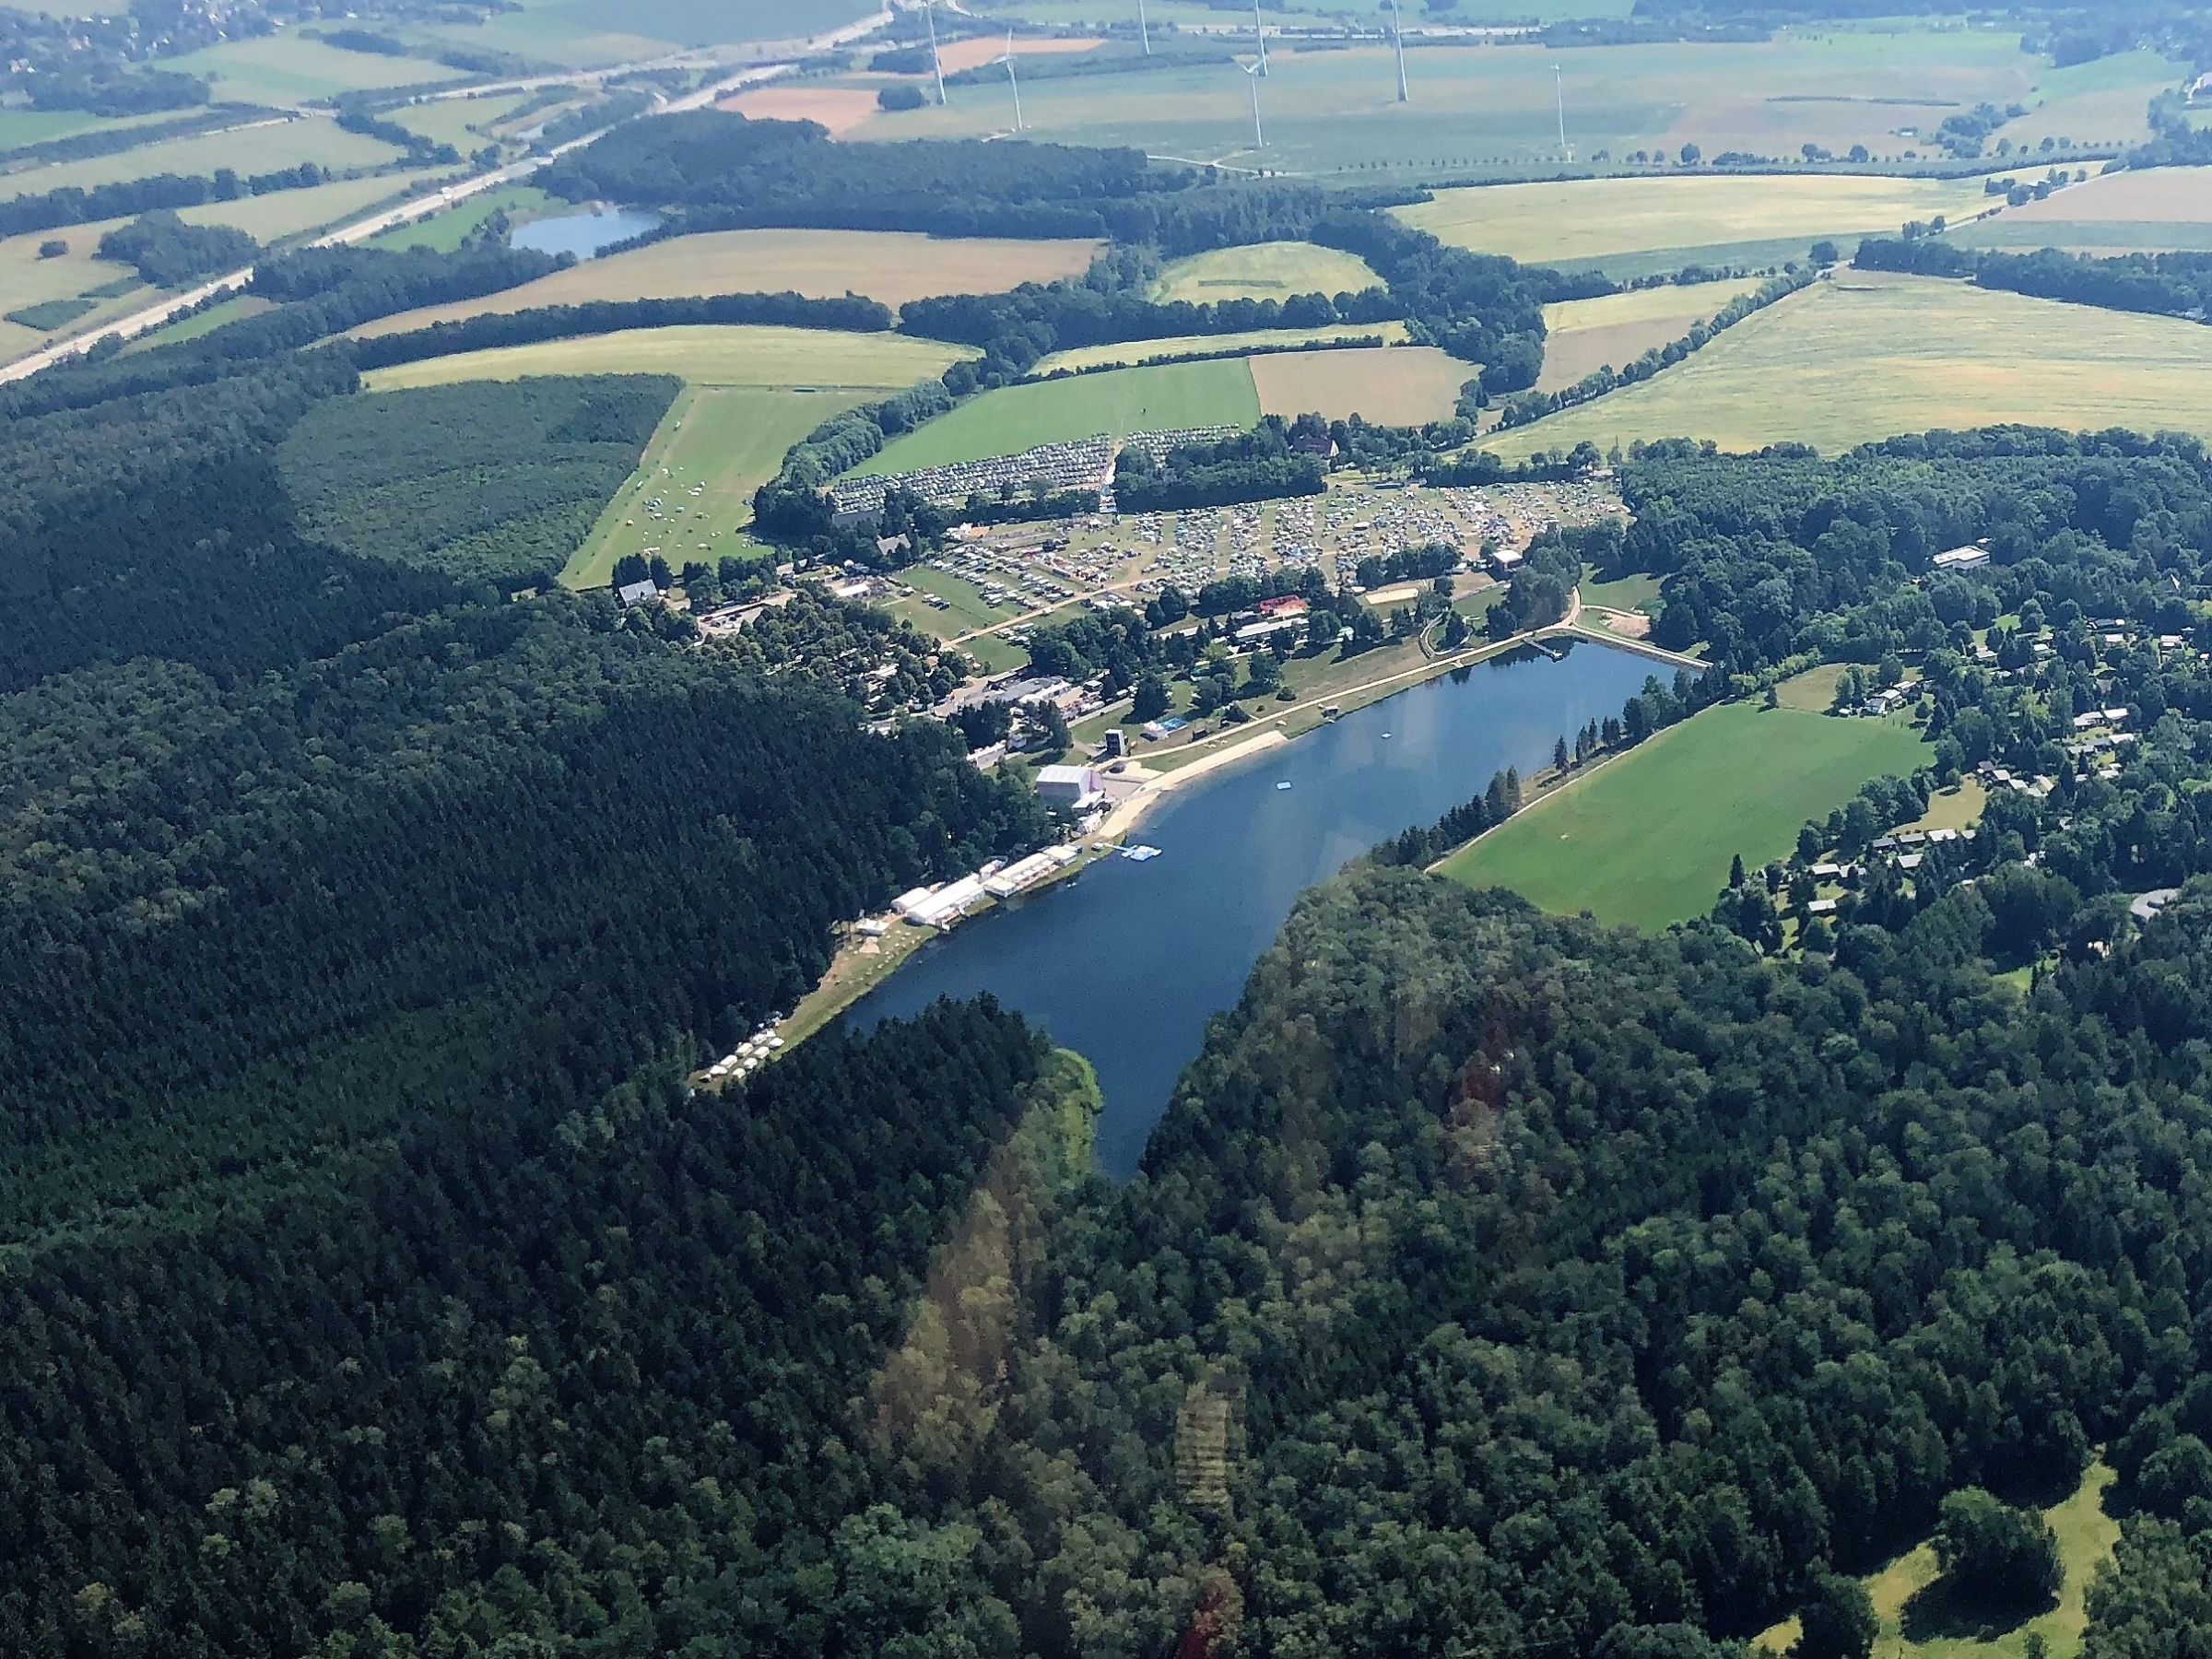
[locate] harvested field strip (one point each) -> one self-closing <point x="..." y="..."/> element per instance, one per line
<point x="707" y="354"/>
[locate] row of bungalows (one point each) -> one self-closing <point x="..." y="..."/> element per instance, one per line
<point x="1026" y="873"/>
<point x="942" y="907"/>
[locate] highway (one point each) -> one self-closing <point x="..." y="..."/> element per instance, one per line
<point x="422" y="206"/>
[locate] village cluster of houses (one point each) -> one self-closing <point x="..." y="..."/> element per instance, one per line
<point x="1906" y="850"/>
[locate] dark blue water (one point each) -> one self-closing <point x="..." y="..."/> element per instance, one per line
<point x="1127" y="961"/>
<point x="583" y="234"/>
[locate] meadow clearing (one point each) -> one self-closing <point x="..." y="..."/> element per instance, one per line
<point x="734" y="355"/>
<point x="1476" y="107"/>
<point x="1275" y="270"/>
<point x="1865" y="357"/>
<point x="287" y="68"/>
<point x="1582" y="336"/>
<point x="1913" y="1625"/>
<point x="1260" y="340"/>
<point x="1159" y="397"/>
<point x="891" y="266"/>
<point x="261" y="147"/>
<point x="2128" y="211"/>
<point x="1636" y="227"/>
<point x="723" y="441"/>
<point x="1645" y="839"/>
<point x="446" y="231"/>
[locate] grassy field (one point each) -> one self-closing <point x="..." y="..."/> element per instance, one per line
<point x="1646" y="840"/>
<point x="1399" y="385"/>
<point x="891" y="266"/>
<point x="724" y="441"/>
<point x="1493" y="108"/>
<point x="467" y="123"/>
<point x="1261" y="340"/>
<point x="1915" y="1624"/>
<point x="1628" y="226"/>
<point x="1160" y="397"/>
<point x="232" y="309"/>
<point x="1626" y="594"/>
<point x="1584" y="336"/>
<point x="446" y="231"/>
<point x="1274" y="270"/>
<point x="284" y="213"/>
<point x="245" y="151"/>
<point x="281" y="70"/>
<point x="809" y="359"/>
<point x="1862" y="358"/>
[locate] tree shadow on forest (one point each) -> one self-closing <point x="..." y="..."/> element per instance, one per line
<point x="1947" y="1611"/>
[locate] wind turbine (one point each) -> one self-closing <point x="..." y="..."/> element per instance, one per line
<point x="935" y="62"/>
<point x="1397" y="35"/>
<point x="1559" y="82"/>
<point x="1143" y="29"/>
<point x="1252" y="71"/>
<point x="1008" y="61"/>
<point x="1260" y="35"/>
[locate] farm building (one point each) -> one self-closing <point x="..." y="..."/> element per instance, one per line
<point x="637" y="593"/>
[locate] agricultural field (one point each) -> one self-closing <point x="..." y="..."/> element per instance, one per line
<point x="285" y="70"/>
<point x="27" y="281"/>
<point x="1584" y="336"/>
<point x="235" y="309"/>
<point x="1261" y="340"/>
<point x="1159" y="397"/>
<point x="2106" y="100"/>
<point x="891" y="266"/>
<point x="1915" y="1623"/>
<point x="1401" y="386"/>
<point x="19" y="127"/>
<point x="1276" y="270"/>
<point x="1645" y="839"/>
<point x="842" y="109"/>
<point x="262" y="148"/>
<point x="724" y="442"/>
<point x="286" y="213"/>
<point x="807" y="359"/>
<point x="1865" y="358"/>
<point x="1631" y="228"/>
<point x="467" y="123"/>
<point x="979" y="50"/>
<point x="2132" y="211"/>
<point x="1492" y="108"/>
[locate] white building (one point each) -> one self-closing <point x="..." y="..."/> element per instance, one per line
<point x="1074" y="787"/>
<point x="1972" y="557"/>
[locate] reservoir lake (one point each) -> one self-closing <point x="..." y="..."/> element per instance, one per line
<point x="1127" y="961"/>
<point x="583" y="234"/>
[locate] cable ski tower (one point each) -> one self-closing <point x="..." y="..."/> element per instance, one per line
<point x="1398" y="37"/>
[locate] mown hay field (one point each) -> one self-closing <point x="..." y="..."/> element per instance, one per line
<point x="1645" y="839"/>
<point x="891" y="266"/>
<point x="1865" y="358"/>
<point x="812" y="359"/>
<point x="1582" y="336"/>
<point x="1399" y="385"/>
<point x="2137" y="210"/>
<point x="1628" y="226"/>
<point x="1275" y="270"/>
<point x="1158" y="397"/>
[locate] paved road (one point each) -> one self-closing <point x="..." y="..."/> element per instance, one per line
<point x="421" y="206"/>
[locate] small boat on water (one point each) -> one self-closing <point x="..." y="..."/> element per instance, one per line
<point x="1284" y="784"/>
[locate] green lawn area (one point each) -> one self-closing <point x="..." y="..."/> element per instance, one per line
<point x="206" y="322"/>
<point x="1914" y="1629"/>
<point x="1865" y="358"/>
<point x="1646" y="839"/>
<point x="1273" y="270"/>
<point x="1953" y="808"/>
<point x="1159" y="397"/>
<point x="731" y="439"/>
<point x="446" y="231"/>
<point x="1814" y="690"/>
<point x="1636" y="592"/>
